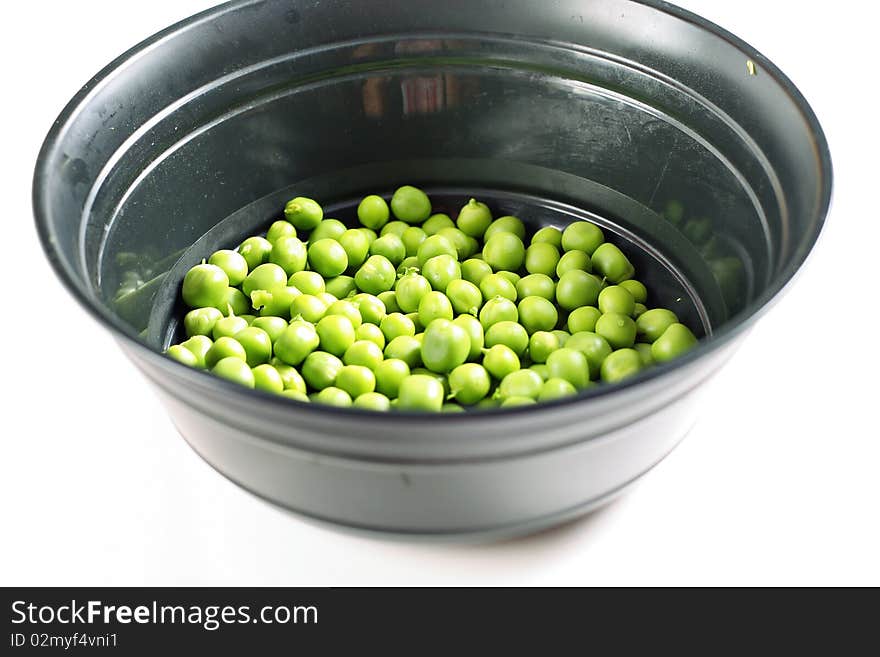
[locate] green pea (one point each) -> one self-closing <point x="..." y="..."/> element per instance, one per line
<point x="406" y="348"/>
<point x="621" y="365"/>
<point x="411" y="205"/>
<point x="582" y="236"/>
<point x="507" y="224"/>
<point x="356" y="380"/>
<point x="616" y="299"/>
<point x="376" y="275"/>
<point x="228" y="327"/>
<point x="523" y="383"/>
<point x="674" y="212"/>
<point x="573" y="260"/>
<point x="449" y="407"/>
<point x="509" y="334"/>
<point x="577" y="288"/>
<point x="434" y="246"/>
<point x="389" y="375"/>
<point x="653" y="323"/>
<point x="639" y="309"/>
<point x="412" y="238"/>
<point x="618" y="329"/>
<point x="307" y="282"/>
<point x="296" y="395"/>
<point x="235" y="370"/>
<point x="328" y="229"/>
<point x="436" y="223"/>
<point x="675" y="341"/>
<point x="257" y="345"/>
<point x="390" y="247"/>
<point x="363" y="353"/>
<point x="327" y="257"/>
<point x="474" y="218"/>
<point x="373" y="212"/>
<point x="556" y="389"/>
<point x="370" y="333"/>
<point x="232" y="263"/>
<point x="304" y="213"/>
<point x="542" y="258"/>
<point x="372" y="401"/>
<point x="511" y="276"/>
<point x="434" y="305"/>
<point x="279" y="229"/>
<point x="474" y="330"/>
<point x="441" y="270"/>
<point x="610" y="262"/>
<point x="275" y="303"/>
<point x="265" y="277"/>
<point x="298" y="341"/>
<point x="205" y="285"/>
<point x="356" y="244"/>
<point x="536" y="285"/>
<point x="255" y="251"/>
<point x="273" y="326"/>
<point x="474" y="270"/>
<point x="182" y="355"/>
<point x="395" y="325"/>
<point x="308" y="307"/>
<point x="548" y="235"/>
<point x="496" y="285"/>
<point x="583" y="319"/>
<point x="199" y="345"/>
<point x="537" y="314"/>
<point x="445" y="346"/>
<point x="267" y="378"/>
<point x="389" y="298"/>
<point x="410" y="289"/>
<point x="248" y="318"/>
<point x="570" y="365"/>
<point x="409" y="264"/>
<point x="464" y="296"/>
<point x="541" y="345"/>
<point x="469" y="383"/>
<point x="593" y="346"/>
<point x="347" y="309"/>
<point x="645" y="354"/>
<point x="336" y="333"/>
<point x="512" y="402"/>
<point x="393" y="228"/>
<point x="370" y="308"/>
<point x="419" y="392"/>
<point x="541" y="370"/>
<point x="291" y="379"/>
<point x="201" y="321"/>
<point x="637" y="289"/>
<point x="333" y="396"/>
<point x="320" y="369"/>
<point x="465" y="246"/>
<point x="224" y="348"/>
<point x="504" y="251"/>
<point x="497" y="310"/>
<point x="562" y="336"/>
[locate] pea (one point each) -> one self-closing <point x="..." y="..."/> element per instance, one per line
<point x="372" y="401"/>
<point x="506" y="224"/>
<point x="412" y="239"/>
<point x="364" y="353"/>
<point x="556" y="389"/>
<point x="542" y="258"/>
<point x="465" y="246"/>
<point x="570" y="365"/>
<point x="267" y="378"/>
<point x="389" y="298"/>
<point x="373" y="212"/>
<point x="201" y="321"/>
<point x="307" y="282"/>
<point x="389" y="375"/>
<point x="446" y="345"/>
<point x="320" y="369"/>
<point x="410" y="290"/>
<point x="497" y="310"/>
<point x="228" y="326"/>
<point x="257" y="345"/>
<point x="291" y="379"/>
<point x="537" y="314"/>
<point x="639" y="309"/>
<point x="610" y="262"/>
<point x="235" y="370"/>
<point x="296" y="395"/>
<point x="434" y="305"/>
<point x="370" y="308"/>
<point x="582" y="236"/>
<point x="409" y="264"/>
<point x="674" y="212"/>
<point x="411" y="205"/>
<point x="309" y="308"/>
<point x="393" y="228"/>
<point x="469" y="383"/>
<point x="198" y="345"/>
<point x="511" y="402"/>
<point x="449" y="407"/>
<point x="510" y="334"/>
<point x="376" y="275"/>
<point x="504" y="251"/>
<point x="434" y="246"/>
<point x="562" y="336"/>
<point x="637" y="289"/>
<point x="348" y="310"/>
<point x="583" y="319"/>
<point x="333" y="396"/>
<point x="391" y="247"/>
<point x="264" y="277"/>
<point x="574" y="260"/>
<point x="495" y="285"/>
<point x="577" y="288"/>
<point x="406" y="348"/>
<point x="304" y="213"/>
<point x="500" y="360"/>
<point x="356" y="244"/>
<point x="224" y="348"/>
<point x="541" y="370"/>
<point x="676" y="340"/>
<point x="327" y="257"/>
<point x="232" y="263"/>
<point x="593" y="346"/>
<point x="621" y="365"/>
<point x="298" y="341"/>
<point x="182" y="355"/>
<point x="336" y="333"/>
<point x="255" y="251"/>
<point x="205" y="285"/>
<point x="474" y="270"/>
<point x="474" y="218"/>
<point x="618" y="329"/>
<point x="541" y="345"/>
<point x="328" y="229"/>
<point x="522" y="383"/>
<point x="441" y="270"/>
<point x="356" y="380"/>
<point x="653" y="323"/>
<point x="645" y="354"/>
<point x="436" y="223"/>
<point x="474" y="330"/>
<point x="395" y="325"/>
<point x="280" y="228"/>
<point x="536" y="285"/>
<point x="616" y="299"/>
<point x="275" y="303"/>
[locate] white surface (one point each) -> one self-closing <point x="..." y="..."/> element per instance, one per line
<point x="778" y="483"/>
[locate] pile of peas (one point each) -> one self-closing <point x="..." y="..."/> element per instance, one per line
<point x="420" y="312"/>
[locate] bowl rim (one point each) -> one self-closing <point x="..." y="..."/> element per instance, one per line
<point x="719" y="338"/>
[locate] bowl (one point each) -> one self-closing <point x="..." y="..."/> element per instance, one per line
<point x="692" y="150"/>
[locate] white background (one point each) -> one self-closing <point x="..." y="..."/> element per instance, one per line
<point x="778" y="483"/>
